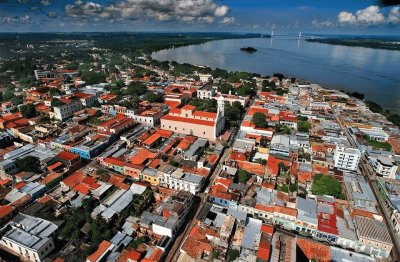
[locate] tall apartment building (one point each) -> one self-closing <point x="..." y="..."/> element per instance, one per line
<point x="346" y="158"/>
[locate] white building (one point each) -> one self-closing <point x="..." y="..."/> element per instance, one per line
<point x="41" y="74"/>
<point x="206" y="92"/>
<point x="30" y="237"/>
<point x="346" y="158"/>
<point x="65" y="111"/>
<point x="205" y="78"/>
<point x="385" y="167"/>
<point x="376" y="134"/>
<point x="177" y="179"/>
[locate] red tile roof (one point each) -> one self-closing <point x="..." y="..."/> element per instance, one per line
<point x="67" y="156"/>
<point x="188" y="120"/>
<point x="49" y="178"/>
<point x="114" y="161"/>
<point x="152" y="139"/>
<point x="314" y="250"/>
<point x="5" y="210"/>
<point x="103" y="247"/>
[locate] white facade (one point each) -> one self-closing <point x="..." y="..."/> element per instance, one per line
<point x="65" y="111"/>
<point x="346" y="158"/>
<point x="206" y="92"/>
<point x="179" y="180"/>
<point x="385" y="167"/>
<point x="205" y="78"/>
<point x="30" y="237"/>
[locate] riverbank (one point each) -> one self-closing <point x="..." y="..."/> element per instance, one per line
<point x="372" y="72"/>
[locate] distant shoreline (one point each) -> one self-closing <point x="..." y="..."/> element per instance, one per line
<point x="393" y="45"/>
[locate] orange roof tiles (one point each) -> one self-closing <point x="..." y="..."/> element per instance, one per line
<point x="5" y="181"/>
<point x="237" y="156"/>
<point x="196" y="243"/>
<point x="142" y="156"/>
<point x="172" y="104"/>
<point x="67" y="156"/>
<point x="286" y="210"/>
<point x="314" y="250"/>
<point x="395" y="143"/>
<point x="273" y="164"/>
<point x="74" y="179"/>
<point x="225" y="182"/>
<point x="265" y="208"/>
<point x="49" y="178"/>
<point x="188" y="107"/>
<point x="268" y="229"/>
<point x="188" y="120"/>
<point x="82" y="188"/>
<point x="205" y="114"/>
<point x="54" y="166"/>
<point x="212" y="159"/>
<point x="253" y="168"/>
<point x="19" y="185"/>
<point x="5" y="210"/>
<point x="186" y="142"/>
<point x="114" y="161"/>
<point x="164" y="133"/>
<point x="152" y="139"/>
<point x="103" y="247"/>
<point x="256" y="109"/>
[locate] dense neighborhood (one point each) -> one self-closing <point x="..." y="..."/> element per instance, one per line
<point x="161" y="161"/>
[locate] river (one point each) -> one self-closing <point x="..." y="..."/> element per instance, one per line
<point x="373" y="72"/>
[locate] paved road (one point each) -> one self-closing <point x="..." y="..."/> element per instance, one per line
<point x="370" y="176"/>
<point x="175" y="249"/>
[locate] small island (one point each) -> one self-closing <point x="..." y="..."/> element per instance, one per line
<point x="248" y="49"/>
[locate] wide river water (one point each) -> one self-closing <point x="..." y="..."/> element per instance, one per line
<point x="373" y="72"/>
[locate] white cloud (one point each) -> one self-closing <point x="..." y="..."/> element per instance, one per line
<point x="394" y="15"/>
<point x="52" y="14"/>
<point x="159" y="10"/>
<point x="17" y="19"/>
<point x="346" y="17"/>
<point x="45" y="2"/>
<point x="370" y="15"/>
<point x="324" y="23"/>
<point x="228" y="20"/>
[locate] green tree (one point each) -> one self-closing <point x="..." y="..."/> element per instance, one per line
<point x="327" y="185"/>
<point x="136" y="89"/>
<point x="225" y="88"/>
<point x="92" y="77"/>
<point x="28" y="110"/>
<point x="243" y="176"/>
<point x="260" y="120"/>
<point x="154" y="98"/>
<point x="303" y="126"/>
<point x="29" y="164"/>
<point x="233" y="254"/>
<point x="55" y="102"/>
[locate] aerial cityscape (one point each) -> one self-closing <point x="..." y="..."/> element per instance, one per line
<point x="199" y="130"/>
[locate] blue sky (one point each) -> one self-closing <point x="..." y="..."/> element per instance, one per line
<point x="308" y="16"/>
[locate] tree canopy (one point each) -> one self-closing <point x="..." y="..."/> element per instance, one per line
<point x="29" y="164"/>
<point x="327" y="185"/>
<point x="92" y="77"/>
<point x="136" y="89"/>
<point x="243" y="176"/>
<point x="28" y="110"/>
<point x="259" y="119"/>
